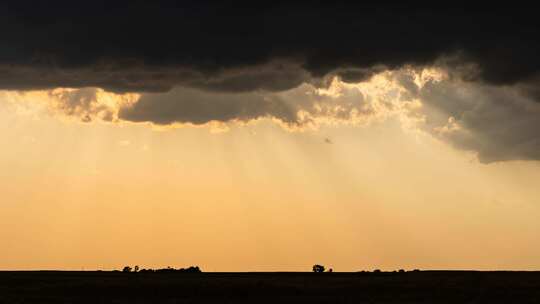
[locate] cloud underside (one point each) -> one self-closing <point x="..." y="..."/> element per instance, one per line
<point x="497" y="122"/>
<point x="471" y="78"/>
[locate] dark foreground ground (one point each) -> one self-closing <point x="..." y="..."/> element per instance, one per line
<point x="408" y="287"/>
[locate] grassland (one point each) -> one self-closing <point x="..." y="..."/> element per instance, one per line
<point x="384" y="287"/>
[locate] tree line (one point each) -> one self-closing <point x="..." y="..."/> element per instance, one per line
<point x="190" y="269"/>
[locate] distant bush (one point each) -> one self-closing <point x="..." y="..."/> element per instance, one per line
<point x="168" y="269"/>
<point x="126" y="269"/>
<point x="192" y="269"/>
<point x="401" y="271"/>
<point x="318" y="268"/>
<point x="144" y="270"/>
<point x="377" y="271"/>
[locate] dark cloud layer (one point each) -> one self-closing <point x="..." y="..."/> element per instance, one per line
<point x="156" y="45"/>
<point x="202" y="61"/>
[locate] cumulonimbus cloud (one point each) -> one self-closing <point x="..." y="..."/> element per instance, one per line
<point x="201" y="62"/>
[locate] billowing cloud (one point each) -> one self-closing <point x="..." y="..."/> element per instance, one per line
<point x="498" y="123"/>
<point x="299" y="64"/>
<point x="305" y="106"/>
<point x="82" y="103"/>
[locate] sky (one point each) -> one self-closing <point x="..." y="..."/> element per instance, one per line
<point x="268" y="138"/>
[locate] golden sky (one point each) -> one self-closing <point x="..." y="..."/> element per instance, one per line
<point x="255" y="197"/>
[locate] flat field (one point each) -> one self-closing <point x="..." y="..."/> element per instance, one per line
<point x="294" y="287"/>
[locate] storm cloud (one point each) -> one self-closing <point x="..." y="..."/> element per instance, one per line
<point x="297" y="108"/>
<point x="204" y="61"/>
<point x="136" y="46"/>
<point x="497" y="122"/>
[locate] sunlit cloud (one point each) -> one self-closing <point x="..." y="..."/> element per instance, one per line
<point x="431" y="100"/>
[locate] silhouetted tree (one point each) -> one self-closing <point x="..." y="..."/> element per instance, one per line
<point x="136" y="269"/>
<point x="126" y="269"/>
<point x="318" y="268"/>
<point x="194" y="269"/>
<point x="144" y="270"/>
<point x="168" y="269"/>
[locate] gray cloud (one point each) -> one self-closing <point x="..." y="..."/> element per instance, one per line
<point x="355" y="75"/>
<point x="498" y="122"/>
<point x="271" y="76"/>
<point x="195" y="62"/>
<point x="185" y="105"/>
<point x="274" y="76"/>
<point x="297" y="107"/>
